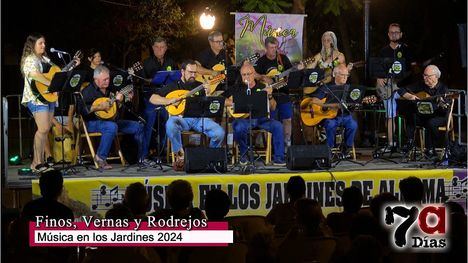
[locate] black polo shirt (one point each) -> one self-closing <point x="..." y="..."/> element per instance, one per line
<point x="152" y="65"/>
<point x="89" y="95"/>
<point x="208" y="59"/>
<point x="180" y="85"/>
<point x="401" y="52"/>
<point x="265" y="65"/>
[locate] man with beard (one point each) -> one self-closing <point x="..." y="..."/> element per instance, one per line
<point x="175" y="125"/>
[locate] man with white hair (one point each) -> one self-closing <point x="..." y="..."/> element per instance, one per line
<point x="432" y="86"/>
<point x="344" y="119"/>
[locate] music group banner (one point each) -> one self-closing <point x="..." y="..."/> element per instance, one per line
<point x="257" y="194"/>
<point x="251" y="29"/>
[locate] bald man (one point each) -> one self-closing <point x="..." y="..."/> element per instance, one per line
<point x="344" y="119"/>
<point x="432" y="86"/>
<point x="241" y="126"/>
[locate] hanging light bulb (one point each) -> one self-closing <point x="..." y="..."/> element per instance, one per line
<point x="207" y="19"/>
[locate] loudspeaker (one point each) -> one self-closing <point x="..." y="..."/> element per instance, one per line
<point x="203" y="159"/>
<point x="305" y="157"/>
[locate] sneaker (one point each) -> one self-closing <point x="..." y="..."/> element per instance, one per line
<point x="430" y="153"/>
<point x="149" y="163"/>
<point x="40" y="168"/>
<point x="279" y="162"/>
<point x="407" y="147"/>
<point x="103" y="165"/>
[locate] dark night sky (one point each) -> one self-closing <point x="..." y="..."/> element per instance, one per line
<point x="429" y="26"/>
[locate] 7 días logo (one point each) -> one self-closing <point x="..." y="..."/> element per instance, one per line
<point x="430" y="233"/>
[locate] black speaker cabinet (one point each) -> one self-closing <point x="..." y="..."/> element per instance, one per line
<point x="306" y="157"/>
<point x="203" y="159"/>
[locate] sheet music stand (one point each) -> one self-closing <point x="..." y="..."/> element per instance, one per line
<point x="165" y="77"/>
<point x="63" y="83"/>
<point x="390" y="68"/>
<point x="206" y="107"/>
<point x="257" y="106"/>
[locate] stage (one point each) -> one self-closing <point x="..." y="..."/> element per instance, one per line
<point x="91" y="192"/>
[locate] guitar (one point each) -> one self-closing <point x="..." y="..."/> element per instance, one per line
<point x="312" y="114"/>
<point x="276" y="85"/>
<point x="111" y="113"/>
<point x="220" y="68"/>
<point x="134" y="68"/>
<point x="179" y="107"/>
<point x="274" y="73"/>
<point x="385" y="92"/>
<point x="42" y="90"/>
<point x="328" y="75"/>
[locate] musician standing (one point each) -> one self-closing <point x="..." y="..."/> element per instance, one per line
<point x="241" y="126"/>
<point x="109" y="129"/>
<point x="396" y="50"/>
<point x="270" y="61"/>
<point x="432" y="86"/>
<point x="344" y="117"/>
<point x="34" y="62"/>
<point x="158" y="61"/>
<point x="176" y="124"/>
<point x="215" y="54"/>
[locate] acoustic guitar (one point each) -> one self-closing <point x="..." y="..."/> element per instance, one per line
<point x="111" y="113"/>
<point x="274" y="73"/>
<point x="42" y="90"/>
<point x="179" y="107"/>
<point x="312" y="114"/>
<point x="221" y="68"/>
<point x="276" y="85"/>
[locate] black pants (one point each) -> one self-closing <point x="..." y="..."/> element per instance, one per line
<point x="430" y="122"/>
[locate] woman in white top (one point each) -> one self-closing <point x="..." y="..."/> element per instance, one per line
<point x="34" y="62"/>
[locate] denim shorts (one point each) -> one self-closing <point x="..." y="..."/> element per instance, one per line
<point x="34" y="108"/>
<point x="390" y="106"/>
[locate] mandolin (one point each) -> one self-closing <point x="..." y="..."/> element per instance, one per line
<point x="179" y="107"/>
<point x="42" y="90"/>
<point x="111" y="113"/>
<point x="312" y="114"/>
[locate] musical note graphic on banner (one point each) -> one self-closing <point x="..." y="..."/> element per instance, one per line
<point x="103" y="198"/>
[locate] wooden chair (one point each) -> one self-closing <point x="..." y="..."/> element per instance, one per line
<point x="84" y="134"/>
<point x="265" y="152"/>
<point x="338" y="137"/>
<point x="448" y="127"/>
<point x="204" y="141"/>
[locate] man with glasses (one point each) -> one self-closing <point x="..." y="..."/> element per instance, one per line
<point x="344" y="119"/>
<point x="176" y="124"/>
<point x="431" y="122"/>
<point x="397" y="51"/>
<point x="215" y="54"/>
<point x="241" y="126"/>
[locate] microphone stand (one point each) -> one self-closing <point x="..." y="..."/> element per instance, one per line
<point x="343" y="106"/>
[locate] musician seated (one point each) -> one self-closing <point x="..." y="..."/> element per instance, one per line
<point x="343" y="118"/>
<point x="241" y="126"/>
<point x="432" y="87"/>
<point x="176" y="124"/>
<point x="108" y="128"/>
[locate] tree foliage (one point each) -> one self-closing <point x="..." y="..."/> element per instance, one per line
<point x="135" y="22"/>
<point x="265" y="6"/>
<point x="336" y="6"/>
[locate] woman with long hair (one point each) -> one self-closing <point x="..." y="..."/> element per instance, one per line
<point x="34" y="62"/>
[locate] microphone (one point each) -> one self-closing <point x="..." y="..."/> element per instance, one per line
<point x="58" y="51"/>
<point x="248" y="87"/>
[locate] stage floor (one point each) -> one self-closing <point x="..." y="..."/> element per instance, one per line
<point x="24" y="181"/>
